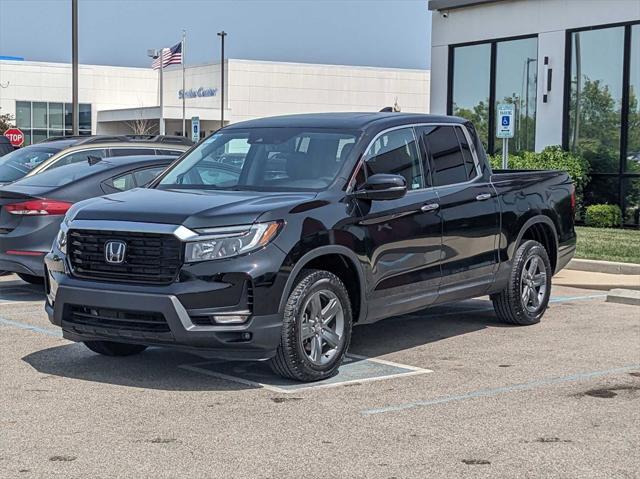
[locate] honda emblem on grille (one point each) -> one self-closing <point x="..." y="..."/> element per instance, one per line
<point x="115" y="251"/>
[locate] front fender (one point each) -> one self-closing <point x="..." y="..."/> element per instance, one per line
<point x="300" y="261"/>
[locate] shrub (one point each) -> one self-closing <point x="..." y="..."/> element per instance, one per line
<point x="551" y="158"/>
<point x="603" y="216"/>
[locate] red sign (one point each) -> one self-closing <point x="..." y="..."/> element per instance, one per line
<point x="16" y="137"/>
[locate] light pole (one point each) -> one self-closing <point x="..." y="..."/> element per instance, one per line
<point x="157" y="54"/>
<point x="222" y="34"/>
<point x="74" y="68"/>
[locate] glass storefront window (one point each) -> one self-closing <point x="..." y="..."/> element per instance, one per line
<point x="41" y="120"/>
<point x="56" y="116"/>
<point x="68" y="117"/>
<point x="633" y="126"/>
<point x="23" y="115"/>
<point x="39" y="112"/>
<point x="631" y="191"/>
<point x="471" y="86"/>
<point x="85" y="116"/>
<point x="516" y="83"/>
<point x="596" y="97"/>
<point x="39" y="135"/>
<point x="601" y="190"/>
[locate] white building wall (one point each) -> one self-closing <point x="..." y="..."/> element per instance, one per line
<point x="549" y="19"/>
<point x="259" y="89"/>
<point x="105" y="87"/>
<point x="254" y="89"/>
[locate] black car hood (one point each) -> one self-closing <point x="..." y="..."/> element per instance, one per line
<point x="191" y="208"/>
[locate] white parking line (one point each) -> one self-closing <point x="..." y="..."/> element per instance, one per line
<point x="499" y="390"/>
<point x="300" y="387"/>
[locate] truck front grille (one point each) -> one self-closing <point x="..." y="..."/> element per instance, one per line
<point x="149" y="257"/>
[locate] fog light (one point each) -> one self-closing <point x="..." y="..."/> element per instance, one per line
<point x="246" y="336"/>
<point x="230" y="318"/>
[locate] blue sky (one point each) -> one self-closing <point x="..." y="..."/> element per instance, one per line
<point x="387" y="33"/>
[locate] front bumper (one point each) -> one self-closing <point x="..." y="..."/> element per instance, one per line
<point x="78" y="306"/>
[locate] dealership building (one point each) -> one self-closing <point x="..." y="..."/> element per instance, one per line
<point x="570" y="68"/>
<point x="122" y="100"/>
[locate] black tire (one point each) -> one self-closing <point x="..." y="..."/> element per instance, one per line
<point x="291" y="359"/>
<point x="509" y="303"/>
<point x="31" y="279"/>
<point x="109" y="348"/>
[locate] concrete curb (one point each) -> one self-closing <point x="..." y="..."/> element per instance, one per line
<point x="624" y="296"/>
<point x="609" y="267"/>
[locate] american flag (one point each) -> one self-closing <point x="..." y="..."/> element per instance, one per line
<point x="169" y="56"/>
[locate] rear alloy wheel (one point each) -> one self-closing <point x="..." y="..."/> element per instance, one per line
<point x="31" y="279"/>
<point x="110" y="348"/>
<point x="316" y="329"/>
<point x="526" y="297"/>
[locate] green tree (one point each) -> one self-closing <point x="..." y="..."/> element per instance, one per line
<point x="6" y="122"/>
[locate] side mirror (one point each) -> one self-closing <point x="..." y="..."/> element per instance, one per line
<point x="382" y="187"/>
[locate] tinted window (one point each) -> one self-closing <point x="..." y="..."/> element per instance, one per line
<point x="396" y="153"/>
<point x="18" y="163"/>
<point x="448" y="163"/>
<point x="63" y="175"/>
<point x="274" y="159"/>
<point x="469" y="164"/>
<point x="144" y="177"/>
<point x="169" y="152"/>
<point x="77" y="157"/>
<point x="132" y="151"/>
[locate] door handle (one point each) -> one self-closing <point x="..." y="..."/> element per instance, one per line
<point x="430" y="207"/>
<point x="483" y="196"/>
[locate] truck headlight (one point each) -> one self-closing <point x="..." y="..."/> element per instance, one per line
<point x="61" y="240"/>
<point x="226" y="242"/>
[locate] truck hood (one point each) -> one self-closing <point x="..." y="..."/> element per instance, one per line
<point x="191" y="208"/>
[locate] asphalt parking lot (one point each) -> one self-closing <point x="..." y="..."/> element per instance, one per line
<point x="447" y="392"/>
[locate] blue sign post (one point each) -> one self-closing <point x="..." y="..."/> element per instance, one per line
<point x="195" y="129"/>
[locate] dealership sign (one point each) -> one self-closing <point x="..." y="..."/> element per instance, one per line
<point x="197" y="92"/>
<point x="16" y="137"/>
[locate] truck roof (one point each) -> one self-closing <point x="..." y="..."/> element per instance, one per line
<point x="346" y="120"/>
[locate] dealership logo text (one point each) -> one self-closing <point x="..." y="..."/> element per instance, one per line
<point x="200" y="92"/>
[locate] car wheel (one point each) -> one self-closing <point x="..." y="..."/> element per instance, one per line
<point x="110" y="348"/>
<point x="526" y="297"/>
<point x="316" y="329"/>
<point x="31" y="279"/>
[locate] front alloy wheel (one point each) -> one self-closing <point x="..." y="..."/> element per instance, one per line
<point x="322" y="327"/>
<point x="316" y="328"/>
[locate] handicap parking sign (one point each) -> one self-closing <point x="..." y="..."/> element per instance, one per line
<point x="504" y="125"/>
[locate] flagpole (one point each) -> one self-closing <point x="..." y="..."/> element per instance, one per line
<point x="162" y="132"/>
<point x="184" y="121"/>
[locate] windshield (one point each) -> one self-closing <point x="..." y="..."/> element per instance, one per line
<point x="64" y="175"/>
<point x="264" y="159"/>
<point x="17" y="164"/>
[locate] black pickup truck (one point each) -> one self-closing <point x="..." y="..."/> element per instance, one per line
<point x="271" y="238"/>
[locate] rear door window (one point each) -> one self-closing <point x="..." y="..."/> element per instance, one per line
<point x="147" y="175"/>
<point x="169" y="152"/>
<point x="134" y="179"/>
<point x="132" y="151"/>
<point x="79" y="156"/>
<point x="448" y="165"/>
